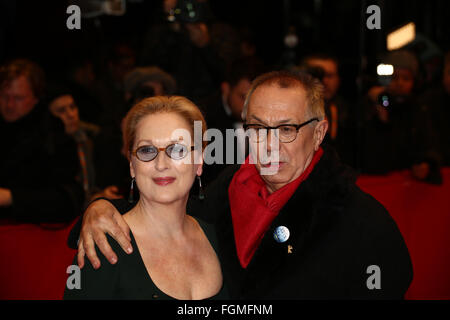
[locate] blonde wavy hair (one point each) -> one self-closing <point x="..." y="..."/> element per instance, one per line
<point x="160" y="104"/>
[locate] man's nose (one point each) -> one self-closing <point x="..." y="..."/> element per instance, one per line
<point x="272" y="141"/>
<point x="72" y="113"/>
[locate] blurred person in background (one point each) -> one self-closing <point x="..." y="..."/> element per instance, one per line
<point x="341" y="130"/>
<point x="398" y="133"/>
<point x="108" y="88"/>
<point x="223" y="109"/>
<point x="149" y="79"/>
<point x="63" y="106"/>
<point x="80" y="78"/>
<point x="181" y="44"/>
<point x="39" y="162"/>
<point x="437" y="102"/>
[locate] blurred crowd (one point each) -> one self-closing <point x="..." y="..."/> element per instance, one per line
<point x="61" y="140"/>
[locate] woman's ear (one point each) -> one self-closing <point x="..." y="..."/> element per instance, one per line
<point x="198" y="157"/>
<point x="199" y="170"/>
<point x="132" y="169"/>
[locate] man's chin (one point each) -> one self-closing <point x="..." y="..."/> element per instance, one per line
<point x="10" y="117"/>
<point x="275" y="182"/>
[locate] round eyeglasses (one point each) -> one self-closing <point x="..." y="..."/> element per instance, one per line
<point x="175" y="151"/>
<point x="284" y="132"/>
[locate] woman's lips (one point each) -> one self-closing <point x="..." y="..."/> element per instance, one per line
<point x="163" y="181"/>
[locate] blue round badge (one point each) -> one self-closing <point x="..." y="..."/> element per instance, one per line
<point x="281" y="234"/>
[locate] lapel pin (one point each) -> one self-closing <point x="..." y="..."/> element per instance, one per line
<point x="281" y="234"/>
<point x="290" y="249"/>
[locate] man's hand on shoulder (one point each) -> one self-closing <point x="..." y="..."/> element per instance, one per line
<point x="102" y="218"/>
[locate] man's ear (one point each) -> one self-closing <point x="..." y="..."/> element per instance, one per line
<point x="319" y="133"/>
<point x="225" y="89"/>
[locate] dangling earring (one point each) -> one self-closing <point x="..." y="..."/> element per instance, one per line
<point x="131" y="195"/>
<point x="201" y="194"/>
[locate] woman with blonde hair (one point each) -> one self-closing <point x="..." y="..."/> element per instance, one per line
<point x="175" y="256"/>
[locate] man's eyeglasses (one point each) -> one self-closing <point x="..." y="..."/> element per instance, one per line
<point x="284" y="132"/>
<point x="175" y="151"/>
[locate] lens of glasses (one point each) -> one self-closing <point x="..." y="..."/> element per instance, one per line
<point x="287" y="133"/>
<point x="146" y="153"/>
<point x="177" y="151"/>
<point x="284" y="133"/>
<point x="257" y="133"/>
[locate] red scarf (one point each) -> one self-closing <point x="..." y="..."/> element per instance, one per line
<point x="253" y="208"/>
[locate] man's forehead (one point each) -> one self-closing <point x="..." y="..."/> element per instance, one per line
<point x="20" y="82"/>
<point x="277" y="104"/>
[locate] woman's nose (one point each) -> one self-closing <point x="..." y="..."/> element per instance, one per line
<point x="161" y="161"/>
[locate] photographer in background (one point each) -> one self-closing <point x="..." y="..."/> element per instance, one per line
<point x="180" y="43"/>
<point x="398" y="133"/>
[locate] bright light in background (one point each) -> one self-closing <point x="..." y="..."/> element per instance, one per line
<point x="385" y="69"/>
<point x="401" y="37"/>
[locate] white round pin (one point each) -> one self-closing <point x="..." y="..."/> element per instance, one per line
<point x="281" y="234"/>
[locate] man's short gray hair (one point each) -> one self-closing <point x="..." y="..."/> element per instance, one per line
<point x="290" y="79"/>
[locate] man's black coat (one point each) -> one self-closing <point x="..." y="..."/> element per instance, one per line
<point x="336" y="233"/>
<point x="39" y="164"/>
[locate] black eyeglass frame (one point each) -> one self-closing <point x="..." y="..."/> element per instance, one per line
<point x="247" y="126"/>
<point x="135" y="152"/>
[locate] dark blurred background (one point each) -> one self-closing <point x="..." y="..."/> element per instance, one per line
<point x="37" y="29"/>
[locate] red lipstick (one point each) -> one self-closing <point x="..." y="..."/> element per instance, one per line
<point x="163" y="181"/>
